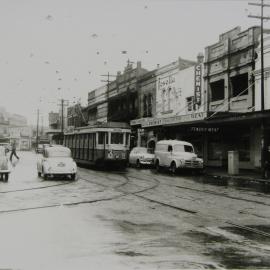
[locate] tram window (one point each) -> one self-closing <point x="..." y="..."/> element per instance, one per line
<point x="127" y="139"/>
<point x="117" y="138"/>
<point x="101" y="137"/>
<point x="107" y="138"/>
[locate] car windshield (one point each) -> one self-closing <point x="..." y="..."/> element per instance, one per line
<point x="188" y="148"/>
<point x="142" y="150"/>
<point x="58" y="152"/>
<point x="183" y="148"/>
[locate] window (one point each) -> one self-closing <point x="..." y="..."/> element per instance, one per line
<point x="101" y="136"/>
<point x="189" y="101"/>
<point x="127" y="139"/>
<point x="239" y="85"/>
<point x="217" y="90"/>
<point x="149" y="107"/>
<point x="188" y="148"/>
<point x="117" y="138"/>
<point x="178" y="148"/>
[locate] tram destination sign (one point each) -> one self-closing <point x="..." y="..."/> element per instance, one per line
<point x="178" y="119"/>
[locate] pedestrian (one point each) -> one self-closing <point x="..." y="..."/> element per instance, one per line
<point x="13" y="151"/>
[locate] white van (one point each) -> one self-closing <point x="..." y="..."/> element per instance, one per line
<point x="176" y="154"/>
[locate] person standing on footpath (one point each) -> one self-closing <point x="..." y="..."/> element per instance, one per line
<point x="13" y="151"/>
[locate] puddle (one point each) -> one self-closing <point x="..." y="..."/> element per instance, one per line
<point x="130" y="253"/>
<point x="149" y="228"/>
<point x="234" y="258"/>
<point x="203" y="237"/>
<point x="251" y="235"/>
<point x="231" y="254"/>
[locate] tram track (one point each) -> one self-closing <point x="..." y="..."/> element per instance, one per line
<point x="36" y="188"/>
<point x="137" y="194"/>
<point x="214" y="193"/>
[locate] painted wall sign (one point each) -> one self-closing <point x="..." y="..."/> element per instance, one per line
<point x="198" y="85"/>
<point x="178" y="119"/>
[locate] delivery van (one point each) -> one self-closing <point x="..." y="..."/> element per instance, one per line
<point x="175" y="154"/>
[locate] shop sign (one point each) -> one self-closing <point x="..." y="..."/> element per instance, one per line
<point x="178" y="119"/>
<point x="139" y="121"/>
<point x="198" y="84"/>
<point x="205" y="129"/>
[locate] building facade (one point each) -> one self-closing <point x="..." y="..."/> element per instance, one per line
<point x="230" y="88"/>
<point x="177" y="99"/>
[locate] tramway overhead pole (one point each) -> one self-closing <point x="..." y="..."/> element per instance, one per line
<point x="108" y="81"/>
<point x="262" y="18"/>
<point x="63" y="103"/>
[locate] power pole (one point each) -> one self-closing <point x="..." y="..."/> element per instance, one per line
<point x="63" y="103"/>
<point x="263" y="146"/>
<point x="37" y="127"/>
<point x="108" y="81"/>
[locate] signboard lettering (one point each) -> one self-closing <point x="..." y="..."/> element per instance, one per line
<point x="198" y="85"/>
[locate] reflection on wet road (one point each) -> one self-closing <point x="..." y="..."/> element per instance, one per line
<point x="133" y="219"/>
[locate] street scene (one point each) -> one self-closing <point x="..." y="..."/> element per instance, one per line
<point x="131" y="219"/>
<point x="134" y="134"/>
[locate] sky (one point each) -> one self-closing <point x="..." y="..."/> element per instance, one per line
<point x="53" y="49"/>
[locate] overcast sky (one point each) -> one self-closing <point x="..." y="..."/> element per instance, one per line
<point x="59" y="48"/>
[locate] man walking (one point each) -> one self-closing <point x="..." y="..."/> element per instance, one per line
<point x="13" y="151"/>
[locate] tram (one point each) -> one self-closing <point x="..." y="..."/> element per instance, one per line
<point x="100" y="144"/>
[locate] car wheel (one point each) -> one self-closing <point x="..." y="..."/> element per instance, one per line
<point x="138" y="164"/>
<point x="157" y="166"/>
<point x="173" y="168"/>
<point x="39" y="174"/>
<point x="45" y="176"/>
<point x="73" y="176"/>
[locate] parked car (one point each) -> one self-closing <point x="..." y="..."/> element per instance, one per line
<point x="174" y="154"/>
<point x="56" y="161"/>
<point x="141" y="156"/>
<point x="5" y="166"/>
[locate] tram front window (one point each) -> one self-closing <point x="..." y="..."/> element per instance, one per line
<point x="117" y="138"/>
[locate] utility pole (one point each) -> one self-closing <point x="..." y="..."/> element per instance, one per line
<point x="263" y="145"/>
<point x="63" y="103"/>
<point x="108" y="81"/>
<point x="37" y="127"/>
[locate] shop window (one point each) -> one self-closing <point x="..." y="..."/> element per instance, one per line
<point x="214" y="151"/>
<point x="243" y="146"/>
<point x="189" y="103"/>
<point x="217" y="90"/>
<point x="239" y="85"/>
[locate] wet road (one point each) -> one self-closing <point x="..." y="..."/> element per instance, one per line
<point x="136" y="219"/>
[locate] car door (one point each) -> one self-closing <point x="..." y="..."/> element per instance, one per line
<point x="168" y="158"/>
<point x="134" y="155"/>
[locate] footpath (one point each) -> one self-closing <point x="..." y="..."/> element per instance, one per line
<point x="244" y="176"/>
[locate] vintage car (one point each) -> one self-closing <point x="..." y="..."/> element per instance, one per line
<point x="5" y="165"/>
<point x="56" y="161"/>
<point x="141" y="156"/>
<point x="175" y="154"/>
